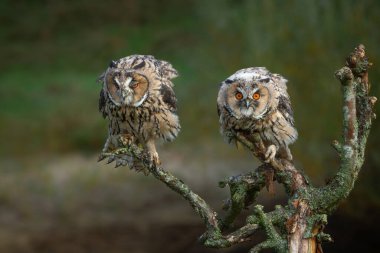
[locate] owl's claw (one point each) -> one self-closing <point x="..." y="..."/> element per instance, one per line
<point x="270" y="153"/>
<point x="290" y="157"/>
<point x="101" y="157"/>
<point x="153" y="155"/>
<point x="155" y="158"/>
<point x="111" y="159"/>
<point x="119" y="163"/>
<point x="119" y="159"/>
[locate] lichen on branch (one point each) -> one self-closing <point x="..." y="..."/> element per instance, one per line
<point x="297" y="226"/>
<point x="357" y="120"/>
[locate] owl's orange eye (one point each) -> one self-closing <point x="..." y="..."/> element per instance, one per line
<point x="238" y="96"/>
<point x="134" y="85"/>
<point x="256" y="96"/>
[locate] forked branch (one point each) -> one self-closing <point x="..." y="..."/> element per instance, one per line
<point x="298" y="226"/>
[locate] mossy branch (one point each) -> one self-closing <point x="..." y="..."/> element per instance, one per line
<point x="197" y="203"/>
<point x="298" y="226"/>
<point x="213" y="236"/>
<point x="357" y="120"/>
<point x="274" y="240"/>
<point x="244" y="190"/>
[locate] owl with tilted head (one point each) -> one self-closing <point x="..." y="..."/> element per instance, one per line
<point x="254" y="102"/>
<point x="138" y="100"/>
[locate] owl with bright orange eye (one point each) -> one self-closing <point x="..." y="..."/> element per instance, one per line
<point x="255" y="102"/>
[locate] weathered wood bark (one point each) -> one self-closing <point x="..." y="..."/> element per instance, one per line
<point x="298" y="226"/>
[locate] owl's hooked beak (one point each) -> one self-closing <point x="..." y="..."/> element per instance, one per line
<point x="127" y="82"/>
<point x="126" y="92"/>
<point x="247" y="103"/>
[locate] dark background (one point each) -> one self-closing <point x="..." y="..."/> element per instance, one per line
<point x="55" y="197"/>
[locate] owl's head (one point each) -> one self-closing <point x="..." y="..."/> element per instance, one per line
<point x="126" y="87"/>
<point x="129" y="81"/>
<point x="249" y="93"/>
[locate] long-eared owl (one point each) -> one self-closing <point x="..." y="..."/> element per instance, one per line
<point x="137" y="98"/>
<point x="255" y="103"/>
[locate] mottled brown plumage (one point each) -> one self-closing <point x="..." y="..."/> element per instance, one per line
<point x="255" y="103"/>
<point x="137" y="98"/>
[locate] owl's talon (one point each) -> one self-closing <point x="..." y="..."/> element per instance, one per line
<point x="111" y="159"/>
<point x="270" y="153"/>
<point x="101" y="157"/>
<point x="123" y="160"/>
<point x="155" y="159"/>
<point x="118" y="163"/>
<point x="124" y="163"/>
<point x="290" y="157"/>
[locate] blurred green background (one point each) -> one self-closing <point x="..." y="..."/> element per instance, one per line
<point x="55" y="197"/>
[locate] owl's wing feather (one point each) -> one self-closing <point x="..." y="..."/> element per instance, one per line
<point x="102" y="102"/>
<point x="284" y="106"/>
<point x="168" y="96"/>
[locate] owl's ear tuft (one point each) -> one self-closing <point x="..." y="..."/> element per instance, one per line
<point x="113" y="64"/>
<point x="265" y="80"/>
<point x="168" y="70"/>
<point x="139" y="66"/>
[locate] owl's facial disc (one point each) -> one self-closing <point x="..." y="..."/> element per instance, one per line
<point x="113" y="86"/>
<point x="126" y="88"/>
<point x="259" y="98"/>
<point x="139" y="86"/>
<point x="236" y="97"/>
<point x="247" y="101"/>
